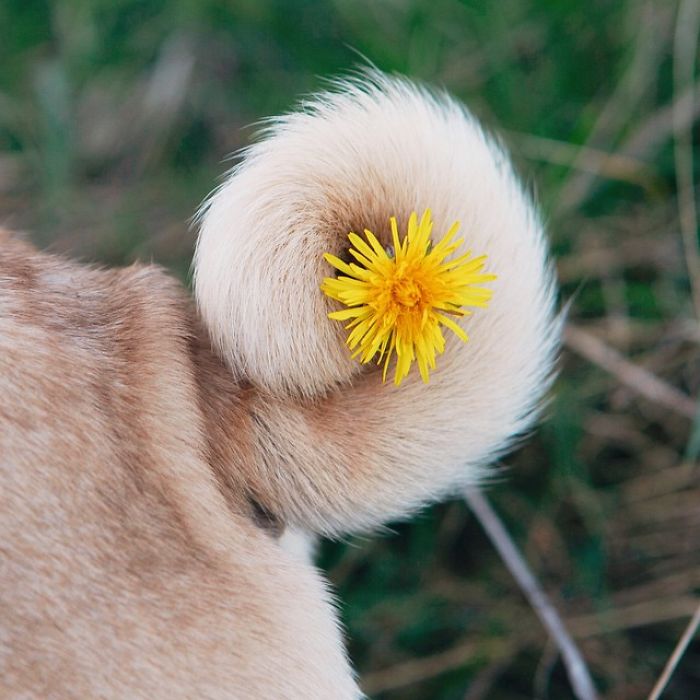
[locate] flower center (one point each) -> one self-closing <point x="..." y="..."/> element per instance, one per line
<point x="406" y="292"/>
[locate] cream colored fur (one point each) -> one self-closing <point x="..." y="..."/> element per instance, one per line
<point x="350" y="160"/>
<point x="145" y="481"/>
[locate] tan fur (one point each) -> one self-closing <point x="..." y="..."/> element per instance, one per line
<point x="131" y="565"/>
<point x="145" y="482"/>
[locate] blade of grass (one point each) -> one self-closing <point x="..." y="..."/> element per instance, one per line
<point x="685" y="46"/>
<point x="635" y="82"/>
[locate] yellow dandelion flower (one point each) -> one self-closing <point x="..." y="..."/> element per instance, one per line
<point x="398" y="299"/>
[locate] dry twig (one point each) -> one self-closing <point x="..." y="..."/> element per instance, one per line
<point x="648" y="612"/>
<point x="415" y="670"/>
<point x="678" y="652"/>
<point x="649" y="136"/>
<point x="576" y="668"/>
<point x="633" y="376"/>
<point x="613" y="166"/>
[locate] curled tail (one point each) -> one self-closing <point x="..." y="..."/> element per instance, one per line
<point x="336" y="448"/>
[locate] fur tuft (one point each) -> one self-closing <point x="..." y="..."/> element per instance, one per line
<point x="372" y="148"/>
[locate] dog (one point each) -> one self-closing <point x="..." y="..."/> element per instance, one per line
<point x="158" y="453"/>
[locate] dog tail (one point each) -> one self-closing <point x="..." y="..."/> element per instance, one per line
<point x="339" y="448"/>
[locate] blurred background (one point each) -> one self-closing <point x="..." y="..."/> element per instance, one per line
<point x="116" y="117"/>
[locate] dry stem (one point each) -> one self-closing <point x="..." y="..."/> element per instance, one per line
<point x="636" y="378"/>
<point x="576" y="668"/>
<point x="676" y="656"/>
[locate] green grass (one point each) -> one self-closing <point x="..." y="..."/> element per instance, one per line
<point x="94" y="160"/>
